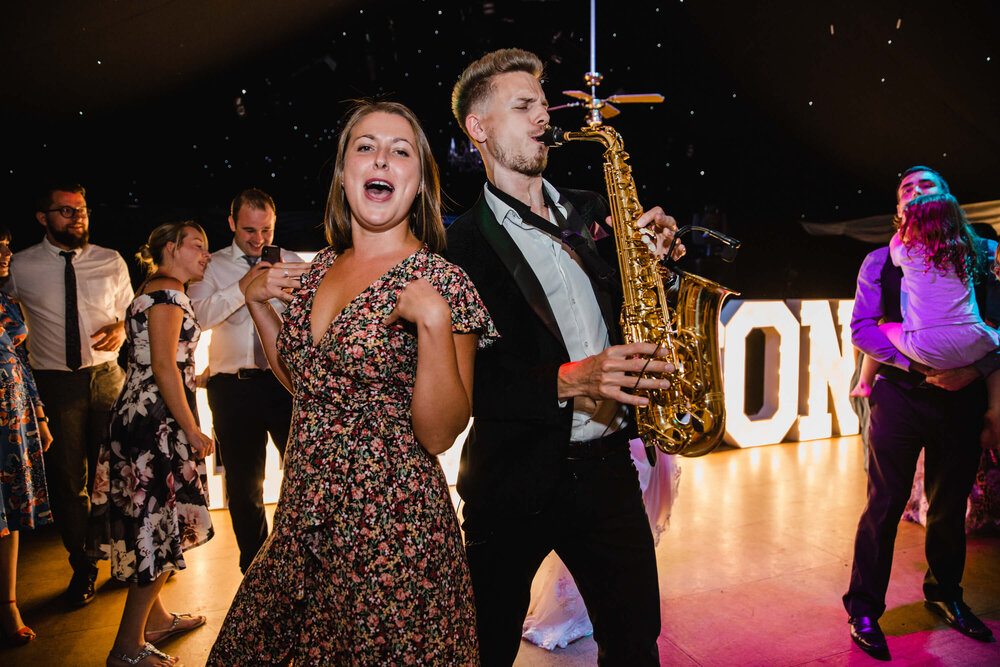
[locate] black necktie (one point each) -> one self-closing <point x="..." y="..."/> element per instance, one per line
<point x="73" y="355"/>
<point x="259" y="358"/>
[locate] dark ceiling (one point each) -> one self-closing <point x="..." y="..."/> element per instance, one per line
<point x="776" y="111"/>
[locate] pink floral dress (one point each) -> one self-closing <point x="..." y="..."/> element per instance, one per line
<point x="150" y="499"/>
<point x="365" y="564"/>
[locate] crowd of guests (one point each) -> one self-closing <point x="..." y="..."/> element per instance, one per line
<point x="363" y="365"/>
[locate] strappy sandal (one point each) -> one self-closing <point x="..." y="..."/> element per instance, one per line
<point x="175" y="627"/>
<point x="21" y="636"/>
<point x="146" y="651"/>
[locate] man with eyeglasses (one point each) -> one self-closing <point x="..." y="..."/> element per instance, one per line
<point x="914" y="408"/>
<point x="74" y="295"/>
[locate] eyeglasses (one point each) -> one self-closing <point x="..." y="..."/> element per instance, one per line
<point x="69" y="212"/>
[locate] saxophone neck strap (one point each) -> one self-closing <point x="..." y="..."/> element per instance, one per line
<point x="599" y="271"/>
<point x="529" y="216"/>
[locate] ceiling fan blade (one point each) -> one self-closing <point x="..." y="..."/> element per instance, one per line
<point x="609" y="111"/>
<point x="577" y="94"/>
<point x="649" y="98"/>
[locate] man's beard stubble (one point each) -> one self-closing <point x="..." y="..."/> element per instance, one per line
<point x="522" y="164"/>
<point x="69" y="239"/>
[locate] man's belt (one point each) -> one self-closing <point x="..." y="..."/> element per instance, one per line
<point x="244" y="373"/>
<point x="588" y="449"/>
<point x="906" y="379"/>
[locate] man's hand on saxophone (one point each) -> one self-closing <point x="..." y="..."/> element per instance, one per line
<point x="612" y="372"/>
<point x="663" y="227"/>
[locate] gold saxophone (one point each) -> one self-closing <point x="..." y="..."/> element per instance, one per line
<point x="689" y="417"/>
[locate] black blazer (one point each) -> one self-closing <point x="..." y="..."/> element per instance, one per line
<point x="515" y="453"/>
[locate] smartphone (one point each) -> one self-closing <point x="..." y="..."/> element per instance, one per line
<point x="270" y="254"/>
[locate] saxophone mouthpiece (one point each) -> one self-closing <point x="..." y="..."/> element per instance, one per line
<point x="552" y="136"/>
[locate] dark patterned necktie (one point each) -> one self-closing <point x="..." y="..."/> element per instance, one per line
<point x="259" y="358"/>
<point x="73" y="355"/>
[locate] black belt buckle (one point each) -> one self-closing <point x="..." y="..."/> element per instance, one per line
<point x="247" y="373"/>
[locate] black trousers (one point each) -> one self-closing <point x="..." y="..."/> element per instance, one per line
<point x="78" y="404"/>
<point x="598" y="526"/>
<point x="244" y="412"/>
<point x="946" y="425"/>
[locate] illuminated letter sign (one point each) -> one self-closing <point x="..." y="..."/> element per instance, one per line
<point x="799" y="384"/>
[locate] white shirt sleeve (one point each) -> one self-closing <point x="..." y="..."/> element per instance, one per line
<point x="123" y="290"/>
<point x="213" y="302"/>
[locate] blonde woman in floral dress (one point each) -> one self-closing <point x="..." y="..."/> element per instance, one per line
<point x="365" y="564"/>
<point x="150" y="495"/>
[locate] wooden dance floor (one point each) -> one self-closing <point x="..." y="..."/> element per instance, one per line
<point x="751" y="568"/>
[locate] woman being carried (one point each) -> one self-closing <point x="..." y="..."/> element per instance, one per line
<point x="365" y="563"/>
<point x="942" y="329"/>
<point x="150" y="500"/>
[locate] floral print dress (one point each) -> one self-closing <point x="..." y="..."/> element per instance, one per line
<point x="365" y="564"/>
<point x="24" y="499"/>
<point x="150" y="499"/>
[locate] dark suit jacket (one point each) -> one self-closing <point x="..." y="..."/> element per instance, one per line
<point x="516" y="450"/>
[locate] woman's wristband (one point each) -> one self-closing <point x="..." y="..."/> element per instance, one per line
<point x="41" y="418"/>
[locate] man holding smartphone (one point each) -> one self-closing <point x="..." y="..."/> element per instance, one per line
<point x="247" y="402"/>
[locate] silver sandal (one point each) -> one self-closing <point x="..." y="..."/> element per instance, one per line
<point x="146" y="651"/>
<point x="174" y="628"/>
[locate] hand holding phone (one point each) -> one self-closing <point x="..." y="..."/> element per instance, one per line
<point x="270" y="254"/>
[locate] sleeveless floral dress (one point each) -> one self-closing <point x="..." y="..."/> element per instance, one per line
<point x="365" y="564"/>
<point x="150" y="498"/>
<point x="24" y="498"/>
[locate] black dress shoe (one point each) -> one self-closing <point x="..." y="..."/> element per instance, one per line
<point x="959" y="616"/>
<point x="81" y="589"/>
<point x="868" y="636"/>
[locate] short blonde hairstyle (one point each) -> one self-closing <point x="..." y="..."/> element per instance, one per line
<point x="475" y="85"/>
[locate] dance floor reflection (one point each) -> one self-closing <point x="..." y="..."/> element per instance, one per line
<point x="751" y="571"/>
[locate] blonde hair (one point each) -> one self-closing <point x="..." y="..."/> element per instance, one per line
<point x="150" y="255"/>
<point x="425" y="213"/>
<point x="476" y="83"/>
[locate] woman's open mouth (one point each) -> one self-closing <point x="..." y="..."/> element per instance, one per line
<point x="377" y="189"/>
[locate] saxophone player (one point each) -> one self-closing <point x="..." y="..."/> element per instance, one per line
<point x="546" y="465"/>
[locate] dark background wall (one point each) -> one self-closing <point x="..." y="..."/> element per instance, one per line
<point x="776" y="113"/>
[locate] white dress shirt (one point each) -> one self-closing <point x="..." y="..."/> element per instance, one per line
<point x="103" y="293"/>
<point x="571" y="297"/>
<point x="220" y="306"/>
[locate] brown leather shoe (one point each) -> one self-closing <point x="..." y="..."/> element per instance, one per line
<point x="868" y="636"/>
<point x="958" y="615"/>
